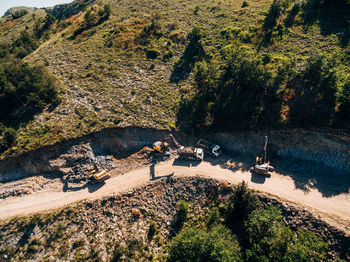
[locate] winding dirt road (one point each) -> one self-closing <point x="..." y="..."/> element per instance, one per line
<point x="337" y="207"/>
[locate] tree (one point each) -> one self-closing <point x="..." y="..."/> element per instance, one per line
<point x="198" y="245"/>
<point x="269" y="239"/>
<point x="314" y="89"/>
<point x="242" y="204"/>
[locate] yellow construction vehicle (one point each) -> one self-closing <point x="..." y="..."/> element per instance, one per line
<point x="98" y="177"/>
<point x="160" y="146"/>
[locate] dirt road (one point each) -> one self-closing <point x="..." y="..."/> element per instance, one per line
<point x="337" y="206"/>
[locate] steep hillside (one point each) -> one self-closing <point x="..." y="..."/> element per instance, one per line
<point x="135" y="66"/>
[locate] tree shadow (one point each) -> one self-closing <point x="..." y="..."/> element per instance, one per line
<point x="306" y="175"/>
<point x="183" y="162"/>
<point x="194" y="52"/>
<point x="333" y="18"/>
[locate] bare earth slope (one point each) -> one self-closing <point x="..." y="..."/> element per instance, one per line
<point x="335" y="210"/>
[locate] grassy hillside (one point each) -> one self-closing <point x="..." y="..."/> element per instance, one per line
<point x="135" y="68"/>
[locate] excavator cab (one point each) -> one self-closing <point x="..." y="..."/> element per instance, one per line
<point x="157" y="146"/>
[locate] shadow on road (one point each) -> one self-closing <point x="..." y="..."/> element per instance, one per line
<point x="91" y="187"/>
<point x="188" y="163"/>
<point x="257" y="178"/>
<point x="305" y="174"/>
<point x="159" y="177"/>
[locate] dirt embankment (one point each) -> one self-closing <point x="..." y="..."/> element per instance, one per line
<point x="330" y="148"/>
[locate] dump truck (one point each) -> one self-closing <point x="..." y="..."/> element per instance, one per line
<point x="98" y="177"/>
<point x="209" y="147"/>
<point x="189" y="153"/>
<point x="262" y="166"/>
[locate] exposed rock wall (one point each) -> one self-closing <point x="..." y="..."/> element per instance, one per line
<point x="327" y="147"/>
<point x="97" y="148"/>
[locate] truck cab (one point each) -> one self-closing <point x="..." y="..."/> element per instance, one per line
<point x="216" y="151"/>
<point x="209" y="147"/>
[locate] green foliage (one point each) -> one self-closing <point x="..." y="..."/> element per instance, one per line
<point x="198" y="245"/>
<point x="182" y="210"/>
<point x="270" y="240"/>
<point x="275" y="11"/>
<point x="41" y="26"/>
<point x="242" y="95"/>
<point x="9" y="137"/>
<point x="93" y="18"/>
<point x="244" y="4"/>
<point x="242" y="204"/>
<point x="23" y="45"/>
<point x="153" y="229"/>
<point x="19" y="13"/>
<point x="24" y="91"/>
<point x="343" y="115"/>
<point x="313" y="93"/>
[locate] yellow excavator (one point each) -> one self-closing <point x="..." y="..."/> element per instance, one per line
<point x="160" y="146"/>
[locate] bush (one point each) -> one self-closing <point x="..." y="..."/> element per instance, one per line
<point x="24" y="91"/>
<point x="313" y="93"/>
<point x="182" y="210"/>
<point x="152" y="53"/>
<point x="9" y="137"/>
<point x="19" y="13"/>
<point x="343" y="114"/>
<point x="198" y="245"/>
<point x="153" y="229"/>
<point x="242" y="204"/>
<point x="168" y="55"/>
<point x="244" y="4"/>
<point x="270" y="240"/>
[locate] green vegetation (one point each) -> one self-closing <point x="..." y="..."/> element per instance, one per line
<point x="93" y="17"/>
<point x="19" y="13"/>
<point x="144" y="66"/>
<point x="242" y="93"/>
<point x="216" y="244"/>
<point x="263" y="234"/>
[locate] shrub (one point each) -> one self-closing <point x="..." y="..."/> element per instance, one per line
<point x="152" y="53"/>
<point x="244" y="4"/>
<point x="24" y="91"/>
<point x="153" y="229"/>
<point x="19" y="13"/>
<point x="194" y="245"/>
<point x="9" y="137"/>
<point x="313" y="93"/>
<point x="182" y="210"/>
<point x="270" y="240"/>
<point x="343" y="114"/>
<point x="242" y="204"/>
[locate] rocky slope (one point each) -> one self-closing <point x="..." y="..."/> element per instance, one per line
<point x="98" y="229"/>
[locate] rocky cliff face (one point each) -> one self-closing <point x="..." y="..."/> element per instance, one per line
<point x="325" y="148"/>
<point x="65" y="11"/>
